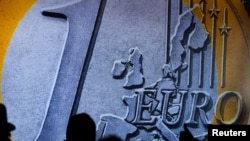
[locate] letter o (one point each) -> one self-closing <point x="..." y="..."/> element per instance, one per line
<point x="223" y="98"/>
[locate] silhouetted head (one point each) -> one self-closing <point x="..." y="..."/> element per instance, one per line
<point x="186" y="135"/>
<point x="5" y="127"/>
<point x="111" y="138"/>
<point x="81" y="127"/>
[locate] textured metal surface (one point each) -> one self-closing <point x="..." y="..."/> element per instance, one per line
<point x="143" y="91"/>
<point x="153" y="68"/>
<point x="76" y="51"/>
<point x="78" y="34"/>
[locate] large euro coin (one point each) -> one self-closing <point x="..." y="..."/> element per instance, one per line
<point x="141" y="69"/>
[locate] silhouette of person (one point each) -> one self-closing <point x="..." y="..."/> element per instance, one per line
<point x="5" y="127"/>
<point x="186" y="135"/>
<point x="81" y="127"/>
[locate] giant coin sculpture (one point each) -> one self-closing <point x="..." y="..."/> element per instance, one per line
<point x="141" y="69"/>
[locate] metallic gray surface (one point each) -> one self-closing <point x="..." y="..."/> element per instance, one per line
<point x="129" y="58"/>
<point x="140" y="26"/>
<point x="66" y="71"/>
<point x="80" y="30"/>
<point x="30" y="68"/>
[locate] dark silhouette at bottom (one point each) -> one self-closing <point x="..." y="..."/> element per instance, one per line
<point x="81" y="127"/>
<point x="5" y="127"/>
<point x="186" y="135"/>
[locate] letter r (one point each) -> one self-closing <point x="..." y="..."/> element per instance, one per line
<point x="214" y="132"/>
<point x="200" y="101"/>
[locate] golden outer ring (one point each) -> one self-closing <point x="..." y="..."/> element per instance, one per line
<point x="220" y="104"/>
